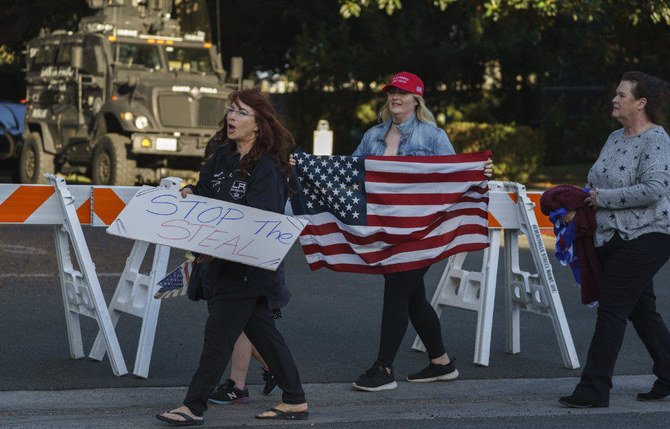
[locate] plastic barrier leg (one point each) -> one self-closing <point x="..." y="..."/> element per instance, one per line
<point x="542" y="287"/>
<point x="470" y="290"/>
<point x="81" y="292"/>
<point x="515" y="291"/>
<point x="134" y="295"/>
<point x="73" y="293"/>
<point x="487" y="296"/>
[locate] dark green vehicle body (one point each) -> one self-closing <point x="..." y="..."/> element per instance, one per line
<point x="127" y="99"/>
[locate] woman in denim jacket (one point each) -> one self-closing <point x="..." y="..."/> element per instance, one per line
<point x="408" y="128"/>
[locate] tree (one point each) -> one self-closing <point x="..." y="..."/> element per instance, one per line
<point x="28" y="17"/>
<point x="657" y="11"/>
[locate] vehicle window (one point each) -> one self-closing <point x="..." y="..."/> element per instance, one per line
<point x="138" y="56"/>
<point x="45" y="55"/>
<point x="89" y="59"/>
<point x="64" y="55"/>
<point x="93" y="58"/>
<point x="196" y="60"/>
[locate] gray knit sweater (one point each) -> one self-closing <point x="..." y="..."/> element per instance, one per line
<point x="633" y="182"/>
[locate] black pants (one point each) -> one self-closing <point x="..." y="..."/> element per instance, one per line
<point x="404" y="300"/>
<point x="228" y="318"/>
<point x="627" y="293"/>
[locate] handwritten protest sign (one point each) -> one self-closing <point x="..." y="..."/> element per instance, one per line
<point x="208" y="226"/>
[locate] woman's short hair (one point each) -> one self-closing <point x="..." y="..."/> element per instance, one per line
<point x="655" y="90"/>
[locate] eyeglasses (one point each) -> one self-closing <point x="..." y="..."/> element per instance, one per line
<point x="242" y="113"/>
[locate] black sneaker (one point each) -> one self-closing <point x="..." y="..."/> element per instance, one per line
<point x="435" y="372"/>
<point x="575" y="401"/>
<point x="270" y="382"/>
<point x="227" y="393"/>
<point x="653" y="395"/>
<point x="375" y="379"/>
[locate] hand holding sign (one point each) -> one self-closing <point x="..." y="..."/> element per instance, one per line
<point x="208" y="226"/>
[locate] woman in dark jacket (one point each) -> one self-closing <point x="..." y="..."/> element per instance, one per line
<point x="250" y="168"/>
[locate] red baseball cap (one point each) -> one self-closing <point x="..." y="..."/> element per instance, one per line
<point x="407" y="82"/>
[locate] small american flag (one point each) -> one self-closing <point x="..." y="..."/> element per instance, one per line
<point x="386" y="214"/>
<point x="176" y="282"/>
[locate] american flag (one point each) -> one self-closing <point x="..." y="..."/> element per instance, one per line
<point x="176" y="282"/>
<point x="381" y="215"/>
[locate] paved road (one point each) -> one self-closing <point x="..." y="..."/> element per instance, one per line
<point x="331" y="325"/>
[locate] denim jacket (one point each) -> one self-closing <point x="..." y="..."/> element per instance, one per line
<point x="417" y="138"/>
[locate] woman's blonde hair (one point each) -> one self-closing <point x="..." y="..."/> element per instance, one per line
<point x="422" y="112"/>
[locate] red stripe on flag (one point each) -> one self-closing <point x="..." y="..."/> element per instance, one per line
<point x="423" y="221"/>
<point x="395" y="177"/>
<point x="438" y="159"/>
<point x="422" y="199"/>
<point x="382" y="236"/>
<point x="407" y="246"/>
<point x="405" y="266"/>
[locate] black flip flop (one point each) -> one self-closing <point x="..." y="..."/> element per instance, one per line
<point x="188" y="420"/>
<point x="285" y="415"/>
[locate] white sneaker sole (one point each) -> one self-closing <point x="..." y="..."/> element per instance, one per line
<point x="389" y="386"/>
<point x="445" y="377"/>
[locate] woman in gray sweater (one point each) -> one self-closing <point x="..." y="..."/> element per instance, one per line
<point x="630" y="191"/>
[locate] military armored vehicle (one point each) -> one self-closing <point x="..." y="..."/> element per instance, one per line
<point x="126" y="99"/>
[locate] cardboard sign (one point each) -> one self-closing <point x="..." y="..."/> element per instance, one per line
<point x="208" y="226"/>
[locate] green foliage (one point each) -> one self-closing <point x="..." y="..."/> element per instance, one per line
<point x="586" y="10"/>
<point x="485" y="61"/>
<point x="576" y="127"/>
<point x="553" y="175"/>
<point x="349" y="114"/>
<point x="518" y="150"/>
<point x="28" y="17"/>
<point x="7" y="56"/>
<point x="353" y="8"/>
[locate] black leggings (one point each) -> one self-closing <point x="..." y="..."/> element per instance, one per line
<point x="404" y="300"/>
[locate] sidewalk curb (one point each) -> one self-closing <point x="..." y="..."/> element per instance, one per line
<point x="329" y="403"/>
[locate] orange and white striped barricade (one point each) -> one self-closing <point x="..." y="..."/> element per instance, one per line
<point x="62" y="207"/>
<point x="96" y="206"/>
<point x="514" y="211"/>
<point x="134" y="293"/>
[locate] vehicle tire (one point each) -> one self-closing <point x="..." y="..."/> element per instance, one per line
<point x="34" y="162"/>
<point x="110" y="164"/>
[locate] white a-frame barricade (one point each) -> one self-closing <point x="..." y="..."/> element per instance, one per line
<point x="82" y="294"/>
<point x="134" y="295"/>
<point x="514" y="213"/>
<point x="67" y="208"/>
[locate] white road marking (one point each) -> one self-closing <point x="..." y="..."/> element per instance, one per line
<point x="23" y="250"/>
<point x="45" y="275"/>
